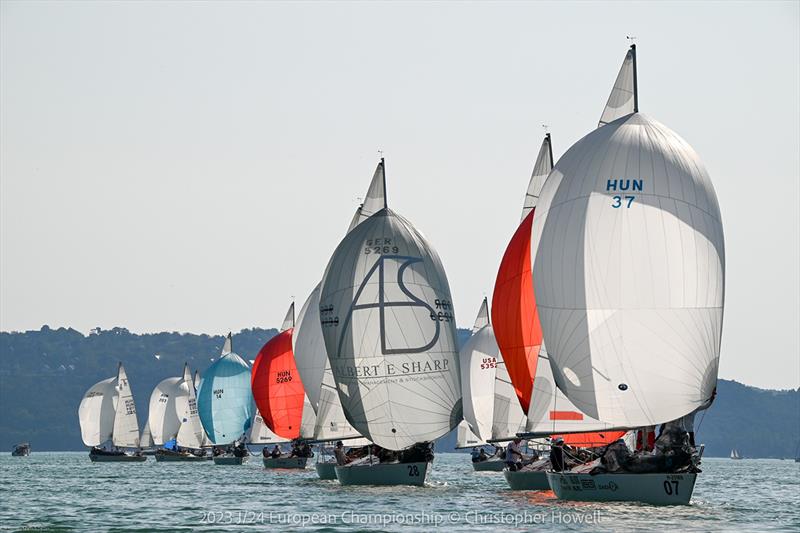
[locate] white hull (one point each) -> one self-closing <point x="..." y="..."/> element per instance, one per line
<point x="490" y="465"/>
<point x="527" y="479"/>
<point x="326" y="470"/>
<point x="229" y="460"/>
<point x="285" y="462"/>
<point x="656" y="489"/>
<point x="383" y="474"/>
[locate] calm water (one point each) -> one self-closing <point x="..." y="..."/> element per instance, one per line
<point x="65" y="492"/>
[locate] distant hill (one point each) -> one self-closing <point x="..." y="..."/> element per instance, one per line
<point x="43" y="375"/>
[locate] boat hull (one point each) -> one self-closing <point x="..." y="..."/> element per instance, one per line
<point x="229" y="460"/>
<point x="326" y="470"/>
<point x="655" y="489"/>
<point x="490" y="465"/>
<point x="383" y="474"/>
<point x="175" y="458"/>
<point x="527" y="479"/>
<point x="118" y="458"/>
<point x="286" y="462"/>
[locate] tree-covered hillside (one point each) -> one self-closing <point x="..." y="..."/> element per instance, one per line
<point x="43" y="375"/>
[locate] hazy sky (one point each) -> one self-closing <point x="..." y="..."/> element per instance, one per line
<point x="191" y="166"/>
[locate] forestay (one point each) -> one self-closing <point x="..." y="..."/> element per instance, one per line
<point x="629" y="274"/>
<point x="389" y="332"/>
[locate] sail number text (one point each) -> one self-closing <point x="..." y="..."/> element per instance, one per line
<point x="380" y="246"/>
<point x="620" y="185"/>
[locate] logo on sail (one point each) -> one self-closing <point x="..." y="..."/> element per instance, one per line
<point x="382" y="304"/>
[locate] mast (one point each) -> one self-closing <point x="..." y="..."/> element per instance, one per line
<point x="550" y="149"/>
<point x="635" y="81"/>
<point x="383" y="167"/>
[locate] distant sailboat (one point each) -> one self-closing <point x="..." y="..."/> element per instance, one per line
<point x="280" y="396"/>
<point x="389" y="331"/>
<point x="735" y="454"/>
<point x="224" y="404"/>
<point x="628" y="271"/>
<point x="108" y="413"/>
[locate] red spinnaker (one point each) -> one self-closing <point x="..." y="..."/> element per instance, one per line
<point x="514" y="314"/>
<point x="277" y="388"/>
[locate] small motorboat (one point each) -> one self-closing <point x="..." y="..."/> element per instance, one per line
<point x="22" y="449"/>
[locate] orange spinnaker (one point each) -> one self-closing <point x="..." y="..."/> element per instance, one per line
<point x="277" y="388"/>
<point x="514" y="315"/>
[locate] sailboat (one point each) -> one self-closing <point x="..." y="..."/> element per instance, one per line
<point x="146" y="441"/>
<point x="108" y="413"/>
<point x="735" y="454"/>
<point x="312" y="361"/>
<point x="280" y="396"/>
<point x="491" y="410"/>
<point x="389" y="329"/>
<point x="174" y="422"/>
<point x="521" y="342"/>
<point x="629" y="269"/>
<point x="224" y="404"/>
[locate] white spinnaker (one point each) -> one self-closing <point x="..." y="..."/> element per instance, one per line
<point x="97" y="411"/>
<point x="622" y="100"/>
<point x="261" y="434"/>
<point x="190" y="434"/>
<point x="465" y="438"/>
<point x="478" y="361"/>
<point x="163" y="419"/>
<point x="391" y="340"/>
<point x="629" y="274"/>
<point x="508" y="419"/>
<point x="126" y="424"/>
<point x="541" y="169"/>
<point x="308" y="347"/>
<point x="547" y="401"/>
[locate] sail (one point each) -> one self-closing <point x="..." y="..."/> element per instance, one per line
<point x="308" y="347"/>
<point x="541" y="169"/>
<point x="376" y="194"/>
<point x="508" y="418"/>
<point x="146" y="440"/>
<point x="97" y="411"/>
<point x="465" y="438"/>
<point x="629" y="274"/>
<point x="551" y="413"/>
<point x="126" y="424"/>
<point x="277" y="387"/>
<point x="163" y="419"/>
<point x="226" y="348"/>
<point x="288" y="320"/>
<point x="261" y="434"/>
<point x="478" y="361"/>
<point x="190" y="434"/>
<point x="624" y="98"/>
<point x="483" y="316"/>
<point x="391" y="334"/>
<point x="514" y="314"/>
<point x="224" y="400"/>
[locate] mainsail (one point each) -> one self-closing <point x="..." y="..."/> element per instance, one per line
<point x="146" y="440"/>
<point x="277" y="388"/>
<point x="126" y="424"/>
<point x="629" y="274"/>
<point x="190" y="434"/>
<point x="478" y="361"/>
<point x="97" y="411"/>
<point x="163" y="419"/>
<point x="224" y="399"/>
<point x="465" y="438"/>
<point x="508" y="419"/>
<point x="624" y="97"/>
<point x="389" y="332"/>
<point x="514" y="311"/>
<point x="261" y="434"/>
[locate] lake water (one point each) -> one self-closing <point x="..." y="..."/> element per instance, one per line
<point x="66" y="492"/>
